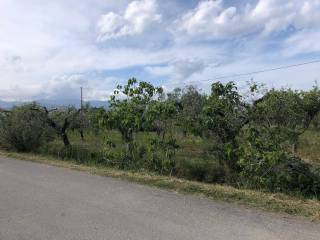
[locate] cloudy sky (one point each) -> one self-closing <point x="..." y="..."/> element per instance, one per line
<point x="48" y="49"/>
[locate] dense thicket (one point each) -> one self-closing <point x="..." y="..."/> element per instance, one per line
<point x="247" y="142"/>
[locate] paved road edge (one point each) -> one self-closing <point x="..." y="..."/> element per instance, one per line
<point x="277" y="203"/>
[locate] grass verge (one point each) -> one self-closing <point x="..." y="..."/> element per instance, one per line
<point x="276" y="202"/>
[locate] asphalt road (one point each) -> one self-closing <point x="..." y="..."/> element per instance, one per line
<point x="39" y="202"/>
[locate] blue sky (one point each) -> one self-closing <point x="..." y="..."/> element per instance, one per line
<point x="48" y="49"/>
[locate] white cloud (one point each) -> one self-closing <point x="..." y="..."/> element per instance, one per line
<point x="68" y="87"/>
<point x="302" y="42"/>
<point x="62" y="87"/>
<point x="180" y="69"/>
<point x="11" y="63"/>
<point x="213" y="20"/>
<point x="159" y="70"/>
<point x="45" y="46"/>
<point x="185" y="68"/>
<point x="309" y="15"/>
<point x="302" y="77"/>
<point x="138" y="17"/>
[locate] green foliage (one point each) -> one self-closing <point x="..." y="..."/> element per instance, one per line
<point x="192" y="103"/>
<point x="202" y="169"/>
<point x="60" y="120"/>
<point x="224" y="115"/>
<point x="128" y="106"/>
<point x="287" y="112"/>
<point x="78" y="153"/>
<point x="264" y="164"/>
<point x="161" y="116"/>
<point x="95" y="118"/>
<point x="162" y="154"/>
<point x="311" y="104"/>
<point x="281" y="111"/>
<point x="224" y="112"/>
<point x="223" y="137"/>
<point x="23" y="129"/>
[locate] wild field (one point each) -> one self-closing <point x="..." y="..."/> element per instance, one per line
<point x="192" y="157"/>
<point x="265" y="142"/>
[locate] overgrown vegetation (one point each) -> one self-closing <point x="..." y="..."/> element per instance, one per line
<point x="23" y="129"/>
<point x="223" y="137"/>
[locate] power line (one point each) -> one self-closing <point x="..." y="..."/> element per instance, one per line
<point x="244" y="74"/>
<point x="257" y="72"/>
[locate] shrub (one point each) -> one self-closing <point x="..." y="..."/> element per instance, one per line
<point x="160" y="155"/>
<point x="200" y="169"/>
<point x="23" y="129"/>
<point x="116" y="157"/>
<point x="265" y="165"/>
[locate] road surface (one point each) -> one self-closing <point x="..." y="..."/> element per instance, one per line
<point x="40" y="202"/>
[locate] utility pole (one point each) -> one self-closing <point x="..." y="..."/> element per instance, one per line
<point x="81" y="113"/>
<point x="81" y="100"/>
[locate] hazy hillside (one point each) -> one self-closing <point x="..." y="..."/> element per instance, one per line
<point x="55" y="103"/>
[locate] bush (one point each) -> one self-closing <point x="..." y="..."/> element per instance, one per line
<point x="117" y="157"/>
<point x="160" y="155"/>
<point x="200" y="169"/>
<point x="23" y="129"/>
<point x="156" y="156"/>
<point x="265" y="165"/>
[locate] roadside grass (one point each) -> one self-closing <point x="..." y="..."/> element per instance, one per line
<point x="309" y="147"/>
<point x="274" y="202"/>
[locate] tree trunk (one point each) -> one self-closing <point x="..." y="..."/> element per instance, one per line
<point x="82" y="135"/>
<point x="184" y="132"/>
<point x="65" y="139"/>
<point x="294" y="148"/>
<point x="64" y="134"/>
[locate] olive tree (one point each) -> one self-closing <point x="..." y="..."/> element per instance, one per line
<point x="23" y="129"/>
<point x="61" y="120"/>
<point x="81" y="121"/>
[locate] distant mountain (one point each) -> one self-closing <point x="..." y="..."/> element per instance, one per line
<point x="70" y="102"/>
<point x="8" y="105"/>
<point x="55" y="103"/>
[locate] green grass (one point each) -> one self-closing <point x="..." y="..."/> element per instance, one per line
<point x="194" y="147"/>
<point x="279" y="203"/>
<point x="309" y="147"/>
<point x="192" y="159"/>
